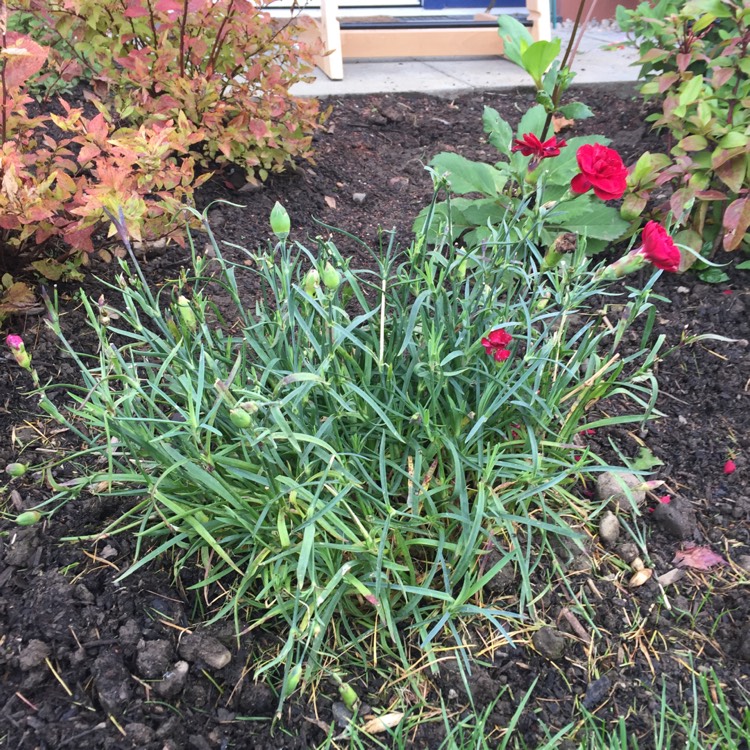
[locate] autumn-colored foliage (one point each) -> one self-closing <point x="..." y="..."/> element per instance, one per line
<point x="225" y="64"/>
<point x="174" y="84"/>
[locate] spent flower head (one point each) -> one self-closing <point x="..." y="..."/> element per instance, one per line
<point x="530" y="145"/>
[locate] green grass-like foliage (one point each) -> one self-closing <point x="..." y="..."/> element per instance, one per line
<point x="384" y="453"/>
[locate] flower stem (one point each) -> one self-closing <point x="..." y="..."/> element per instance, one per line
<point x="567" y="62"/>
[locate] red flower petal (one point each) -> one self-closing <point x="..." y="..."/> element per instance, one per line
<point x="659" y="248"/>
<point x="730" y="467"/>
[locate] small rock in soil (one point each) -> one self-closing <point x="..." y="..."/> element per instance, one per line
<point x="359" y="197"/>
<point x="504" y="580"/>
<point x="744" y="562"/>
<point x="257" y="699"/>
<point x="627" y="551"/>
<point x="743" y="650"/>
<point x="198" y="742"/>
<point x="199" y="647"/>
<point x="22" y="547"/>
<point x="618" y="489"/>
<point x="173" y="681"/>
<point x="129" y="633"/>
<point x="676" y="518"/>
<point x="609" y="528"/>
<point x="341" y="714"/>
<point x="550" y="643"/>
<point x="596" y="692"/>
<point x="82" y="594"/>
<point x="154" y="658"/>
<point x="112" y="682"/>
<point x="139" y="734"/>
<point x="33" y="655"/>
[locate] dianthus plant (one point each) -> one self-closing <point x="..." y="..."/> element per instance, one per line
<point x="340" y="457"/>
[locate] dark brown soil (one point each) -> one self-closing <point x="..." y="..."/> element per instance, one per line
<point x="79" y="652"/>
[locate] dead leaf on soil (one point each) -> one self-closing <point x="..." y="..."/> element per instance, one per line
<point x="19" y="298"/>
<point x="699" y="558"/>
<point x="330" y="201"/>
<point x="383" y="723"/>
<point x="560" y="123"/>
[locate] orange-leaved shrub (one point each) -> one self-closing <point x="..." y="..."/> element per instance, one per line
<point x="226" y="64"/>
<point x="59" y="172"/>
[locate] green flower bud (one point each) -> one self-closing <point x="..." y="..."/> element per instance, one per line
<point x="311" y="282"/>
<point x="29" y="518"/>
<point x="240" y="417"/>
<point x="16" y="469"/>
<point x="186" y="313"/>
<point x="462" y="266"/>
<point x="348" y="695"/>
<point x="280" y="223"/>
<point x="629" y="263"/>
<point x="330" y="277"/>
<point x="292" y="680"/>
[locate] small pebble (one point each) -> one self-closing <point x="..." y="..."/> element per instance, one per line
<point x="596" y="692"/>
<point x="609" y="528"/>
<point x="173" y="681"/>
<point x="341" y="714"/>
<point x="618" y="489"/>
<point x="676" y="518"/>
<point x="627" y="552"/>
<point x="359" y="197"/>
<point x="200" y="647"/>
<point x="550" y="643"/>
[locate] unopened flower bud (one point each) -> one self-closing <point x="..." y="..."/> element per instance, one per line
<point x="28" y="518"/>
<point x="625" y="265"/>
<point x="311" y="282"/>
<point x="18" y="350"/>
<point x="186" y="313"/>
<point x="280" y="222"/>
<point x="240" y="418"/>
<point x="292" y="680"/>
<point x="330" y="277"/>
<point x="348" y="695"/>
<point x="462" y="267"/>
<point x="16" y="469"/>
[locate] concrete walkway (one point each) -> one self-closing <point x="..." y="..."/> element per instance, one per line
<point x="601" y="58"/>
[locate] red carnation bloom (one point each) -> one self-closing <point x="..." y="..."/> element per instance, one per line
<point x="530" y="145"/>
<point x="659" y="248"/>
<point x="601" y="169"/>
<point x="495" y="344"/>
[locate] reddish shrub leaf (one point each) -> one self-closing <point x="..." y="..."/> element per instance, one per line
<point x="700" y="558"/>
<point x="736" y="222"/>
<point x="23" y="59"/>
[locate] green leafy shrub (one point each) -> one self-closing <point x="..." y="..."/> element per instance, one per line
<point x="536" y="191"/>
<point x="695" y="63"/>
<point x="343" y="457"/>
<point x="544" y="183"/>
<point x="225" y="64"/>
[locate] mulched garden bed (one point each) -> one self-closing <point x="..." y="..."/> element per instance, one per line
<point x="79" y="652"/>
